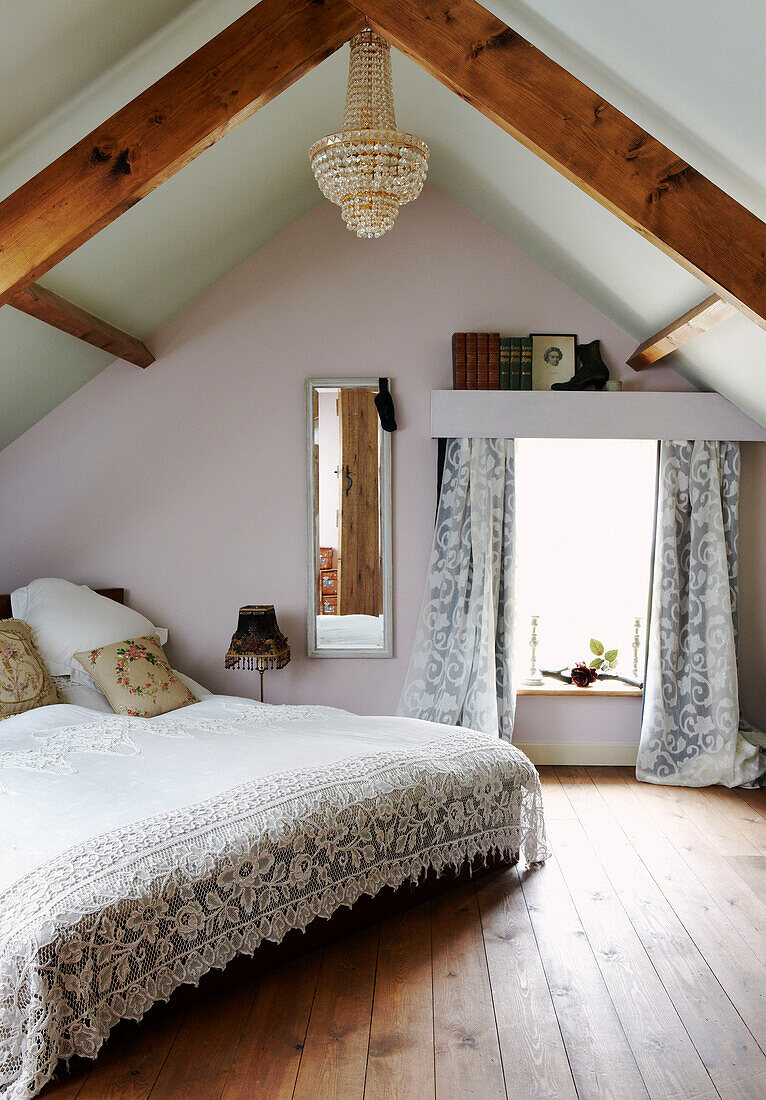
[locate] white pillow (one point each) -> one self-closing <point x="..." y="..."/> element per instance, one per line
<point x="82" y="695"/>
<point x="67" y="618"/>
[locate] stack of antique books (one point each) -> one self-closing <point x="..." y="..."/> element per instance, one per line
<point x="489" y="361"/>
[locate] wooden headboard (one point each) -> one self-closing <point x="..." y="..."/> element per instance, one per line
<point x="116" y="594"/>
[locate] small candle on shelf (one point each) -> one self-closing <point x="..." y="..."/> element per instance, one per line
<point x="636" y="644"/>
<point x="535" y="678"/>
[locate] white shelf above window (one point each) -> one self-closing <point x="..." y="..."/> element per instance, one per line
<point x="550" y="414"/>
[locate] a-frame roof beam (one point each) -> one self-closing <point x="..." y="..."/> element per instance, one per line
<point x="164" y="128"/>
<point x="586" y="139"/>
<point x="56" y="311"/>
<point x="695" y="322"/>
<point x="462" y="45"/>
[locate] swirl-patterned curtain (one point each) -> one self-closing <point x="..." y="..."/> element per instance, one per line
<point x="461" y="670"/>
<point x="692" y="734"/>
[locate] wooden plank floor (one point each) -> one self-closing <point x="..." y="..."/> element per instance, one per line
<point x="631" y="965"/>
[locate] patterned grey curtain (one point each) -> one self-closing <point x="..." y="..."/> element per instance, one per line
<point x="692" y="733"/>
<point x="461" y="671"/>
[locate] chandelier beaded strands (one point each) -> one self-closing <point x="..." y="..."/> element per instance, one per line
<point x="370" y="168"/>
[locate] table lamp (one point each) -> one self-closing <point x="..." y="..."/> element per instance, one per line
<point x="258" y="642"/>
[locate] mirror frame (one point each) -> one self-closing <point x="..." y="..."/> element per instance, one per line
<point x="313" y="384"/>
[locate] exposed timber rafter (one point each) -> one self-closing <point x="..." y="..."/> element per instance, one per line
<point x="461" y="44"/>
<point x="582" y="136"/>
<point x="679" y="332"/>
<point x="163" y="129"/>
<point x="39" y="302"/>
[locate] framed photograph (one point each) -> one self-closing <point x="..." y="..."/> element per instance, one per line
<point x="553" y="358"/>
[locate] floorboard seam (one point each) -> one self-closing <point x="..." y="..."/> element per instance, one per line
<point x="433" y="991"/>
<point x="308" y="1023"/>
<point x="372" y="1013"/>
<point x="167" y="1054"/>
<point x="547" y="981"/>
<point x="245" y="1018"/>
<point x="491" y="992"/>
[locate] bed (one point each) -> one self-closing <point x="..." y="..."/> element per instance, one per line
<point x="228" y="824"/>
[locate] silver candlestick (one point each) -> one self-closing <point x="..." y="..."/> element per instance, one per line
<point x="636" y="644"/>
<point x="535" y="678"/>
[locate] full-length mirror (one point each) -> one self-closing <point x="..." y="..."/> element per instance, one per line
<point x="349" y="520"/>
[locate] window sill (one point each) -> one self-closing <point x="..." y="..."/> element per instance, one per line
<point x="603" y="689"/>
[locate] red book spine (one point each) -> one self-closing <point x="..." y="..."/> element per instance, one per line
<point x="458" y="361"/>
<point x="471" y="362"/>
<point x="482" y="354"/>
<point x="493" y="355"/>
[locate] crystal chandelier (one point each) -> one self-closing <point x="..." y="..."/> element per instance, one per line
<point x="369" y="169"/>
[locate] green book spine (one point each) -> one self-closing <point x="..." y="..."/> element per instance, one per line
<point x="515" y="343"/>
<point x="482" y="355"/>
<point x="505" y="362"/>
<point x="493" y="358"/>
<point x="526" y="363"/>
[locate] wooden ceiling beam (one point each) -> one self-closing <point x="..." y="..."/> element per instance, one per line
<point x="460" y="43"/>
<point x="61" y="314"/>
<point x="586" y="139"/>
<point x="163" y="129"/>
<point x="679" y="332"/>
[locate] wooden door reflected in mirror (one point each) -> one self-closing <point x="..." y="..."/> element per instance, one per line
<point x="349" y="513"/>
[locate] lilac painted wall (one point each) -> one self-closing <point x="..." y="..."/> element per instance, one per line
<point x="185" y="482"/>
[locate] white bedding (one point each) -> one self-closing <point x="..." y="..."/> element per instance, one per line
<point x="139" y="853"/>
<point x="129" y="769"/>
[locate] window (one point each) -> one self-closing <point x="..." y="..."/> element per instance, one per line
<point x="585" y="517"/>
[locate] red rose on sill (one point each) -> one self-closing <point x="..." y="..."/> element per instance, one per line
<point x="582" y="676"/>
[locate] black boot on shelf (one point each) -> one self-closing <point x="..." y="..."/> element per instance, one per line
<point x="591" y="372"/>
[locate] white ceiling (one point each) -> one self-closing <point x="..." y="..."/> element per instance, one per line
<point x="691" y="74"/>
<point x="65" y="46"/>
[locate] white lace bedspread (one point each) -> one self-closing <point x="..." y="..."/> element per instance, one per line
<point x="139" y="854"/>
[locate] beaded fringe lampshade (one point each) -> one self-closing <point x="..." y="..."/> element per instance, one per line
<point x="258" y="642"/>
<point x="370" y="168"/>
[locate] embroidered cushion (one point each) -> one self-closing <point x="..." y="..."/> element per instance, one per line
<point x="136" y="678"/>
<point x="25" y="682"/>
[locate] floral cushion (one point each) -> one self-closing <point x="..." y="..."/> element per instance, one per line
<point x="25" y="682"/>
<point x="136" y="678"/>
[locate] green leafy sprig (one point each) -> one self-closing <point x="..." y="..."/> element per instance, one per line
<point x="604" y="658"/>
